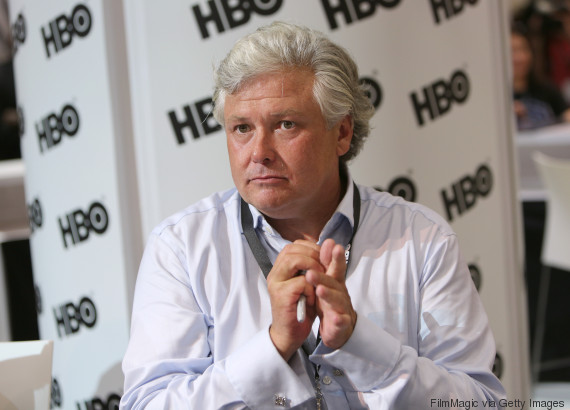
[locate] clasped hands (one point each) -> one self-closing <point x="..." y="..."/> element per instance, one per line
<point x="324" y="287"/>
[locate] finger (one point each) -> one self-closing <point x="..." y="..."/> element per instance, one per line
<point x="335" y="308"/>
<point x="300" y="247"/>
<point x="337" y="267"/>
<point x="291" y="267"/>
<point x="308" y="244"/>
<point x="318" y="278"/>
<point x="292" y="259"/>
<point x="326" y="252"/>
<point x="333" y="299"/>
<point x="309" y="292"/>
<point x="329" y="293"/>
<point x="299" y="286"/>
<point x="328" y="289"/>
<point x="286" y="294"/>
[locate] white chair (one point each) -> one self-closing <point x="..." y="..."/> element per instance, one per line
<point x="555" y="174"/>
<point x="25" y="375"/>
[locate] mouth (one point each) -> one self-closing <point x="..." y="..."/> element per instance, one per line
<point x="267" y="179"/>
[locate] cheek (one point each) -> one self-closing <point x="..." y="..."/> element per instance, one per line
<point x="308" y="159"/>
<point x="236" y="157"/>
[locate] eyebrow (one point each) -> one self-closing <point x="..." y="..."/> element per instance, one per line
<point x="278" y="114"/>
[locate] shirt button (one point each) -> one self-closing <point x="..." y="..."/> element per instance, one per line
<point x="338" y="372"/>
<point x="327" y="380"/>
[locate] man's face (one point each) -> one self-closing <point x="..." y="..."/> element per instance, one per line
<point x="521" y="56"/>
<point x="283" y="158"/>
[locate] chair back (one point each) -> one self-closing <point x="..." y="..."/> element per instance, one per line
<point x="25" y="375"/>
<point x="555" y="174"/>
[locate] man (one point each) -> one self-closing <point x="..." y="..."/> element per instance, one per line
<point x="400" y="327"/>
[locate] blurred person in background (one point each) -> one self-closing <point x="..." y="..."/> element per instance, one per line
<point x="558" y="49"/>
<point x="536" y="103"/>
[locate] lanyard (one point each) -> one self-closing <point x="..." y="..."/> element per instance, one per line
<point x="259" y="251"/>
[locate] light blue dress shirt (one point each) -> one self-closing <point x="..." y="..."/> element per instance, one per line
<point x="201" y="316"/>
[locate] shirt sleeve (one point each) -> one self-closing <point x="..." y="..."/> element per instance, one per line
<point x="456" y="348"/>
<point x="169" y="362"/>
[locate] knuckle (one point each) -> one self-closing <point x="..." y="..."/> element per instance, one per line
<point x="288" y="248"/>
<point x="338" y="321"/>
<point x="271" y="288"/>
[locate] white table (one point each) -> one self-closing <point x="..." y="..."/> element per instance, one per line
<point x="553" y="141"/>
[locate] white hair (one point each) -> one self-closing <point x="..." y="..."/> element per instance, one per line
<point x="283" y="46"/>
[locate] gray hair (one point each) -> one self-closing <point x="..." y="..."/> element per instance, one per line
<point x="281" y="46"/>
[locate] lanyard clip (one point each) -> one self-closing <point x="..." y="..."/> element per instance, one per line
<point x="347" y="253"/>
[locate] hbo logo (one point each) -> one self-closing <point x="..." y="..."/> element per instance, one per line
<point x="236" y="13"/>
<point x="18" y="32"/>
<point x="56" y="395"/>
<point x="35" y="215"/>
<point x="78" y="224"/>
<point x="440" y="95"/>
<point x="498" y="366"/>
<point x="450" y="8"/>
<point x="372" y="90"/>
<point x="52" y="128"/>
<point x="403" y="187"/>
<point x="196" y="119"/>
<point x="111" y="403"/>
<point x="60" y="31"/>
<point x="354" y="10"/>
<point x="475" y="275"/>
<point x="69" y="317"/>
<point x="464" y="193"/>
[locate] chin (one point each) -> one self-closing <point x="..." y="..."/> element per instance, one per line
<point x="268" y="205"/>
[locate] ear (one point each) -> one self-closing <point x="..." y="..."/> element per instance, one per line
<point x="345" y="131"/>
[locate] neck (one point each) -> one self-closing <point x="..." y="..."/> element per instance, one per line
<point x="308" y="228"/>
<point x="310" y="225"/>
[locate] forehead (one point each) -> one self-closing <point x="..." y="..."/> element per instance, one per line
<point x="294" y="87"/>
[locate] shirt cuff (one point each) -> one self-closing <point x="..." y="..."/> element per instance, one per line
<point x="264" y="379"/>
<point x="367" y="358"/>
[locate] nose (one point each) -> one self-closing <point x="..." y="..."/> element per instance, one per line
<point x="263" y="150"/>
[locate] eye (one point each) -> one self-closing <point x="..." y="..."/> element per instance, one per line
<point x="242" y="128"/>
<point x="287" y="125"/>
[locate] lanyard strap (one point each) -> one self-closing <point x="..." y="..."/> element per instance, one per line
<point x="259" y="251"/>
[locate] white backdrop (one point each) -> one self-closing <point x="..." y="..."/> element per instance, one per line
<point x="436" y="73"/>
<point x="75" y="142"/>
